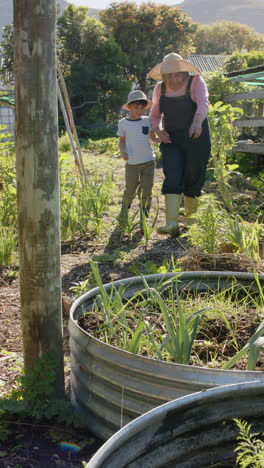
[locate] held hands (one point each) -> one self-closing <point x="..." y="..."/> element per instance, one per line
<point x="124" y="155"/>
<point x="163" y="135"/>
<point x="195" y="129"/>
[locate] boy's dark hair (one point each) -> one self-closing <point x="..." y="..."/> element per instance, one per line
<point x="143" y="102"/>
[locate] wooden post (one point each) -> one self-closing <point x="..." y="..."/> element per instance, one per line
<point x="38" y="183"/>
<point x="71" y="120"/>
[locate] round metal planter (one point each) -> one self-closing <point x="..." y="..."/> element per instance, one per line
<point x="196" y="431"/>
<point x="111" y="387"/>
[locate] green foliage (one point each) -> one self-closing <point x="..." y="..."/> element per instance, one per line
<point x="151" y="268"/>
<point x="7" y="51"/>
<point x="181" y="330"/>
<point x="240" y="61"/>
<point x="250" y="446"/>
<point x="95" y="133"/>
<point x="8" y="205"/>
<point x="245" y="236"/>
<point x="34" y="398"/>
<point x="256" y="342"/>
<point x="213" y="227"/>
<point x="8" y="245"/>
<point x="87" y="50"/>
<point x="147" y="225"/>
<point x="146" y="33"/>
<point x="103" y="146"/>
<point x="209" y="228"/>
<point x="64" y="143"/>
<point x="83" y="208"/>
<point x="221" y="117"/>
<point x="129" y="332"/>
<point x="220" y="86"/>
<point x="225" y="37"/>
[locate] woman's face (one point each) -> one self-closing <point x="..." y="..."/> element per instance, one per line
<point x="175" y="80"/>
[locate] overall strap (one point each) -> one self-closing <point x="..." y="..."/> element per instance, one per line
<point x="163" y="88"/>
<point x="188" y="88"/>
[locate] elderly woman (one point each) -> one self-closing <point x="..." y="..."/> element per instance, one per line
<point x="178" y="116"/>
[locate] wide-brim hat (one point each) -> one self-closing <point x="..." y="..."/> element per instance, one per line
<point x="137" y="96"/>
<point x="172" y="63"/>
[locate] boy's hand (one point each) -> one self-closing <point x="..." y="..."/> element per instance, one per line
<point x="154" y="137"/>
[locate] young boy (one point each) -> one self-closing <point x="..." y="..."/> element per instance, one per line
<point x="134" y="134"/>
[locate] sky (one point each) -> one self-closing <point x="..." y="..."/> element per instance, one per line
<point x="101" y="4"/>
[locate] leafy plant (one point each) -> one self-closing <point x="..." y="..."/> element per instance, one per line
<point x="147" y="226"/>
<point x="250" y="447"/>
<point x="221" y="117"/>
<point x="256" y="342"/>
<point x="8" y="245"/>
<point x="64" y="143"/>
<point x="245" y="236"/>
<point x="103" y="146"/>
<point x="34" y="398"/>
<point x="181" y="329"/>
<point x="210" y="226"/>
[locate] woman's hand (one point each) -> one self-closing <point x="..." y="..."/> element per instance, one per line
<point x="195" y="129"/>
<point x="163" y="135"/>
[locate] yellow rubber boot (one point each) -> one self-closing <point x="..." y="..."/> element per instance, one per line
<point x="190" y="207"/>
<point x="172" y="208"/>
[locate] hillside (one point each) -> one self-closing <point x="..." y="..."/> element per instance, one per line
<point x="250" y="12"/>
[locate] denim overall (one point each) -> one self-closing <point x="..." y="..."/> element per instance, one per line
<point x="184" y="159"/>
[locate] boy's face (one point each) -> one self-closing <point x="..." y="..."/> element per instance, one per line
<point x="136" y="110"/>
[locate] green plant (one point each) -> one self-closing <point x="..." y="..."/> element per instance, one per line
<point x="8" y="245"/>
<point x="209" y="228"/>
<point x="103" y="146"/>
<point x="81" y="287"/>
<point x="64" y="143"/>
<point x="245" y="236"/>
<point x="256" y="342"/>
<point x="221" y="117"/>
<point x="115" y="323"/>
<point x="147" y="227"/>
<point x="83" y="208"/>
<point x="33" y="398"/>
<point x="181" y="329"/>
<point x="116" y="328"/>
<point x="250" y="446"/>
<point x="151" y="268"/>
<point x="129" y="223"/>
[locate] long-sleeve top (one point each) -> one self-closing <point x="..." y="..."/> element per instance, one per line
<point x="198" y="91"/>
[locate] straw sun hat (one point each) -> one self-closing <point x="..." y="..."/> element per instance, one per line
<point x="137" y="96"/>
<point x="172" y="63"/>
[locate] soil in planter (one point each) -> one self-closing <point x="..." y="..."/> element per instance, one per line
<point x="219" y="337"/>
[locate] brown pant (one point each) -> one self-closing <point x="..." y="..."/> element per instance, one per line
<point x="139" y="180"/>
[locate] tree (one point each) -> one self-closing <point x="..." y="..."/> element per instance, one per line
<point x="93" y="65"/>
<point x="7" y="50"/>
<point x="224" y="37"/>
<point x="38" y="184"/>
<point x="147" y="33"/>
<point x="239" y="61"/>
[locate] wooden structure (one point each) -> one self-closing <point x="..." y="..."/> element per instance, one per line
<point x="253" y="111"/>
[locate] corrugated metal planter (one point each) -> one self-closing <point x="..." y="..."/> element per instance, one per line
<point x="112" y="387"/>
<point x="191" y="432"/>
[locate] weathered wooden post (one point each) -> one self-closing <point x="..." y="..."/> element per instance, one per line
<point x="38" y="183"/>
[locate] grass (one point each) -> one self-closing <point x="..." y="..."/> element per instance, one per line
<point x="215" y="329"/>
